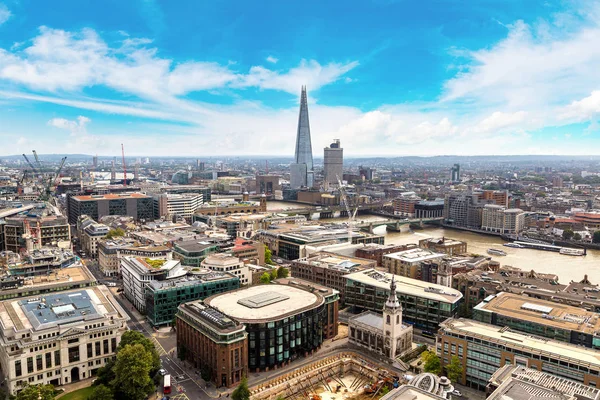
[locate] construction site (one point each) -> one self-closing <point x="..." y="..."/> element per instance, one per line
<point x="345" y="375"/>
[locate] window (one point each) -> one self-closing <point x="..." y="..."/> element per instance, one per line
<point x="90" y="350"/>
<point x="48" y="360"/>
<point x="113" y="345"/>
<point x="97" y="346"/>
<point x="73" y="354"/>
<point x="39" y="362"/>
<point x="71" y="341"/>
<point x="18" y="371"/>
<point x="57" y="357"/>
<point x="387" y="319"/>
<point x="105" y="343"/>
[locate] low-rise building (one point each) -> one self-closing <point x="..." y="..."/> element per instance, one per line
<point x="164" y="296"/>
<point x="42" y="261"/>
<point x="376" y="252"/>
<point x="425" y="386"/>
<point x="226" y="263"/>
<point x="137" y="272"/>
<point x="59" y="338"/>
<point x="111" y="251"/>
<point x="483" y="348"/>
<point x="44" y="227"/>
<point x="328" y="269"/>
<point x="290" y="241"/>
<point x="249" y="250"/>
<point x="90" y="237"/>
<point x="408" y="262"/>
<point x="136" y="205"/>
<point x="444" y="245"/>
<point x="425" y="305"/>
<point x="542" y="318"/>
<point x="192" y="252"/>
<point x="171" y="204"/>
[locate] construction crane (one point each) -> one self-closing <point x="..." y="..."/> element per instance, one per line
<point x="52" y="181"/>
<point x="37" y="160"/>
<point x="124" y="166"/>
<point x="351" y="215"/>
<point x="30" y="164"/>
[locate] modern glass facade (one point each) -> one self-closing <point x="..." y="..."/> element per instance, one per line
<point x="163" y="298"/>
<point x="276" y="342"/>
<point x="419" y="311"/>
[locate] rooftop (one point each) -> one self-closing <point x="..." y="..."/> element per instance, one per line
<point x="543" y="312"/>
<point x="190" y="280"/>
<point x="414" y="255"/>
<point x="406" y="286"/>
<point x="264" y="302"/>
<point x="443" y="241"/>
<point x="220" y="259"/>
<point x="336" y="261"/>
<point x="46" y="311"/>
<point x="559" y="350"/>
<point x="515" y="382"/>
<point x="111" y="196"/>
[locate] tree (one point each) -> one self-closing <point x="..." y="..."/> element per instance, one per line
<point x="577" y="236"/>
<point x="273" y="274"/>
<point x="241" y="392"/>
<point x="35" y="392"/>
<point x="132" y="372"/>
<point x="105" y="374"/>
<point x="265" y="278"/>
<point x="113" y="233"/>
<point x="268" y="256"/>
<point x="596" y="237"/>
<point x="101" y="392"/>
<point x="282" y="272"/>
<point x="567" y="234"/>
<point x="432" y="362"/>
<point x="134" y="337"/>
<point x="454" y="369"/>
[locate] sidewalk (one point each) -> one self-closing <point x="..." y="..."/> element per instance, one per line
<point x="71" y="387"/>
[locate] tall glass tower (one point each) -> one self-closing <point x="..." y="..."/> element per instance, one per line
<point x="301" y="171"/>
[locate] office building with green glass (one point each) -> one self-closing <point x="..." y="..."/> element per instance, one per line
<point x="163" y="297"/>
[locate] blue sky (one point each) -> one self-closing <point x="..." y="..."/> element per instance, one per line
<point x="223" y="77"/>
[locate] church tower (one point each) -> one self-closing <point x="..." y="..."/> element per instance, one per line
<point x="392" y="320"/>
<point x="444" y="274"/>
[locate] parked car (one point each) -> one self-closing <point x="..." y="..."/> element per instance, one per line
<point x="456" y="393"/>
<point x="162" y="372"/>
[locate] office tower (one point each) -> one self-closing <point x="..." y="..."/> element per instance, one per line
<point x="301" y="171"/>
<point x="455" y="173"/>
<point x="333" y="162"/>
<point x="95" y="161"/>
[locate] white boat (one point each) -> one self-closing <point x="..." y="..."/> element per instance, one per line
<point x="514" y="245"/>
<point x="572" y="252"/>
<point x="496" y="252"/>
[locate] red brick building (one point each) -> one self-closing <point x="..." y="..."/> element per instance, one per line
<point x="210" y="340"/>
<point x="376" y="252"/>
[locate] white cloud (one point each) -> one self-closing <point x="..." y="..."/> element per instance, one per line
<point x="74" y="126"/>
<point x="272" y="60"/>
<point x="5" y="13"/>
<point x="59" y="60"/>
<point x="584" y="109"/>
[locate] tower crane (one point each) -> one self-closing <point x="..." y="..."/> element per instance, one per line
<point x="37" y="160"/>
<point x="30" y="164"/>
<point x="52" y="180"/>
<point x="351" y="215"/>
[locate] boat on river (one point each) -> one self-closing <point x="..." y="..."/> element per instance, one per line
<point x="572" y="252"/>
<point x="496" y="252"/>
<point x="514" y="245"/>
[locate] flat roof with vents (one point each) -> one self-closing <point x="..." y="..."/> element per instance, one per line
<point x="263" y="299"/>
<point x="537" y="308"/>
<point x="517" y="307"/>
<point x="271" y="302"/>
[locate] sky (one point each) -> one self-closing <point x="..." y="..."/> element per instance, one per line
<point x="386" y="77"/>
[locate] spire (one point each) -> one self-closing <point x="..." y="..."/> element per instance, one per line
<point x="392" y="301"/>
<point x="301" y="171"/>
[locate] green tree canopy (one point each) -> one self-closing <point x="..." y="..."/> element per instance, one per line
<point x="265" y="278"/>
<point x="105" y="374"/>
<point x="577" y="236"/>
<point x="273" y="274"/>
<point x="282" y="272"/>
<point x="431" y="362"/>
<point x="241" y="392"/>
<point x="101" y="392"/>
<point x="454" y="369"/>
<point x="113" y="233"/>
<point x="135" y="337"/>
<point x="35" y="392"/>
<point x="568" y="234"/>
<point x="268" y="256"/>
<point x="596" y="237"/>
<point x="132" y="372"/>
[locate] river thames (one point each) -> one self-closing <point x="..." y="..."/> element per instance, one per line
<point x="567" y="268"/>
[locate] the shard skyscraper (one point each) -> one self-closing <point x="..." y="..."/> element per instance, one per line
<point x="301" y="171"/>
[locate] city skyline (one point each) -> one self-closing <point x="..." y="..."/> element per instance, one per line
<point x="387" y="78"/>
